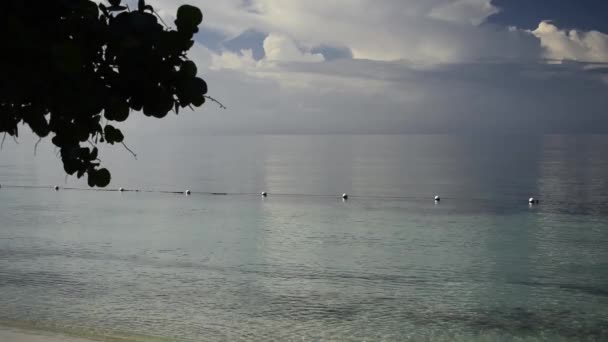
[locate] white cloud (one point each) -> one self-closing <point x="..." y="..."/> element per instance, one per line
<point x="429" y="31"/>
<point x="280" y="48"/>
<point x="574" y="45"/>
<point x="231" y="60"/>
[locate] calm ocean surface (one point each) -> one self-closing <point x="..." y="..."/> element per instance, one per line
<point x="388" y="264"/>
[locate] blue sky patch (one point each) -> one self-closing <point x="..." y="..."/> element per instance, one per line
<point x="248" y="40"/>
<point x="566" y="14"/>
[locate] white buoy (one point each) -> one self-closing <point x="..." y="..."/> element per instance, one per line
<point x="264" y="194"/>
<point x="187" y="192"/>
<point x="121" y="189"/>
<point x="437" y="198"/>
<point x="344" y="196"/>
<point x="56" y="188"/>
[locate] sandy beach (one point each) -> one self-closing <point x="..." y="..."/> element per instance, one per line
<point x="23" y="336"/>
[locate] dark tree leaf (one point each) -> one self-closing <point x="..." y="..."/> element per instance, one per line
<point x="94" y="153"/>
<point x="188" y="69"/>
<point x="117" y="110"/>
<point x="198" y="100"/>
<point x="103" y="178"/>
<point x="117" y="8"/>
<point x="113" y="135"/>
<point x="100" y="178"/>
<point x="91" y="181"/>
<point x="188" y="18"/>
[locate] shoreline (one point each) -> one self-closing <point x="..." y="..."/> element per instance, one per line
<point x="16" y="332"/>
<point x="8" y="334"/>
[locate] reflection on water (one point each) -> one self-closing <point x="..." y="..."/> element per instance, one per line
<point x="557" y="168"/>
<point x="573" y="174"/>
<point x="481" y="265"/>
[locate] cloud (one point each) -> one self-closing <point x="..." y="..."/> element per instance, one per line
<point x="410" y="66"/>
<point x="230" y="60"/>
<point x="280" y="48"/>
<point x="364" y="96"/>
<point x="574" y="45"/>
<point x="420" y="31"/>
<point x="429" y="31"/>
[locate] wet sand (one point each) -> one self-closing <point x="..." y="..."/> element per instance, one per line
<point x="8" y="335"/>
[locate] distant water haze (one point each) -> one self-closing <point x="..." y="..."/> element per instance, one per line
<point x="564" y="168"/>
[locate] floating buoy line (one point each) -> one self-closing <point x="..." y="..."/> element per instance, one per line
<point x="344" y="197"/>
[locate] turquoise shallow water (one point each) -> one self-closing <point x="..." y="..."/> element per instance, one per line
<point x="388" y="264"/>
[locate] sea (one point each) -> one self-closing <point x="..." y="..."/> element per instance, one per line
<point x="388" y="264"/>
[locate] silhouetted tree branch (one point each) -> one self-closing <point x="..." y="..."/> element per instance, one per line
<point x="67" y="64"/>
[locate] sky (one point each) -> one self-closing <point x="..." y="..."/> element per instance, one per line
<point x="397" y="66"/>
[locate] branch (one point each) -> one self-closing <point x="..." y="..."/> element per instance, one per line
<point x="3" y="138"/>
<point x="36" y="146"/>
<point x="216" y="101"/>
<point x="128" y="149"/>
<point x="15" y="139"/>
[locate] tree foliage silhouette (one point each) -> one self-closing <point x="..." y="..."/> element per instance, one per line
<point x="70" y="67"/>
